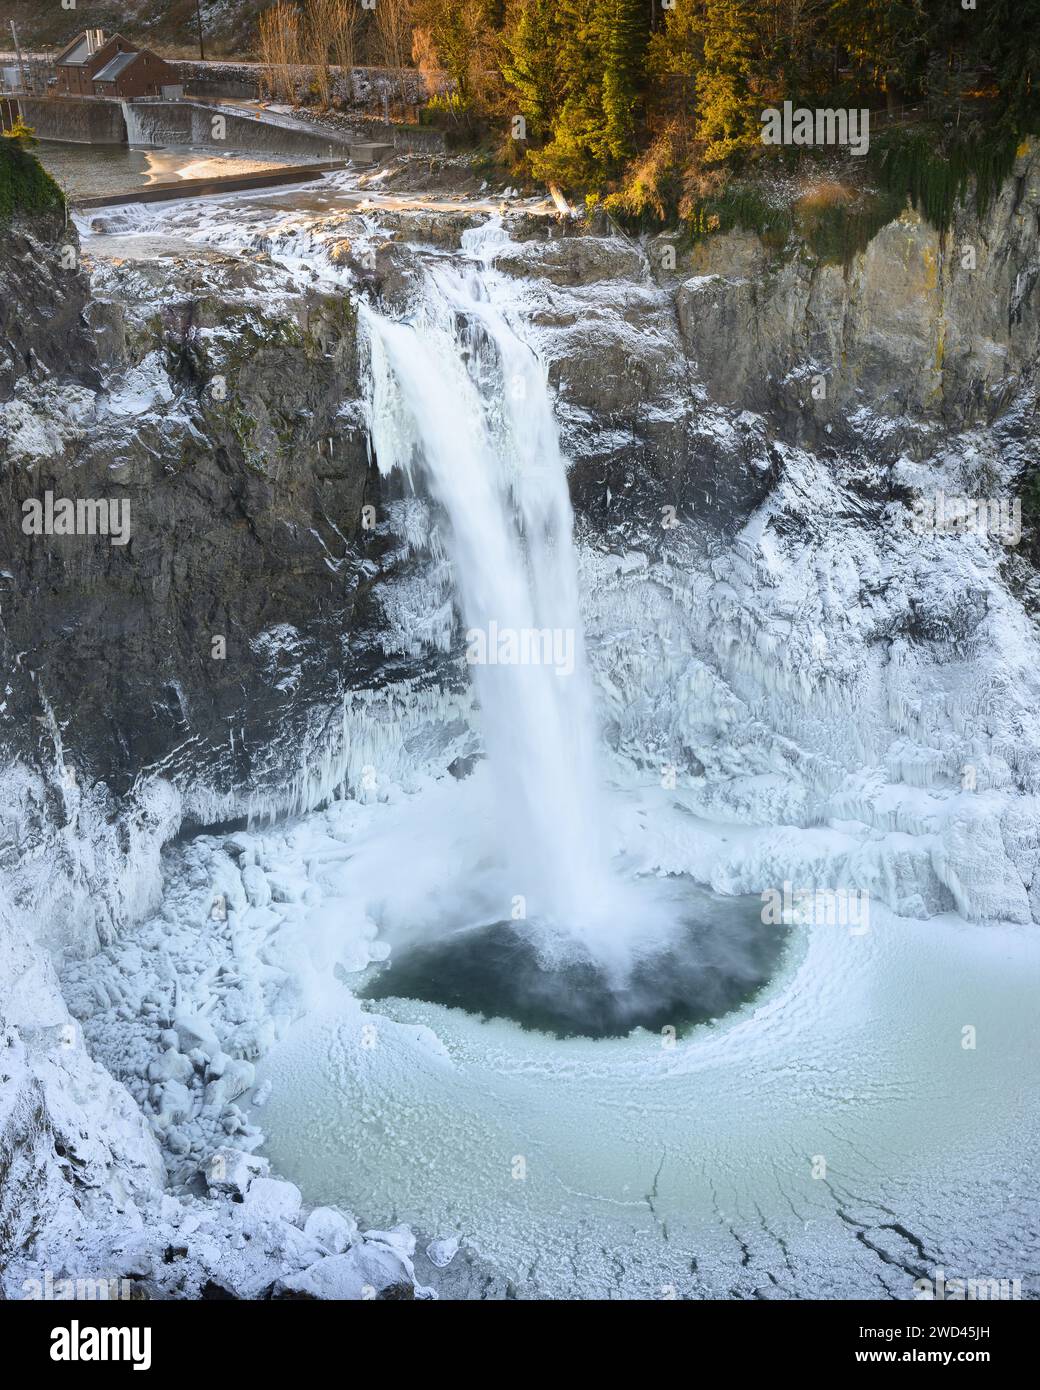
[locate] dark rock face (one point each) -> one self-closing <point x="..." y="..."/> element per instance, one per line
<point x="660" y="354"/>
<point x="642" y="432"/>
<point x="215" y="403"/>
<point x="42" y="301"/>
<point x="243" y="559"/>
<point x="919" y="330"/>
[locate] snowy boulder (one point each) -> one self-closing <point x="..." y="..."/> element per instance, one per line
<point x="286" y="890"/>
<point x="217" y="1065"/>
<point x="178" y="1142"/>
<point x="176" y="1103"/>
<point x="273" y="1200"/>
<point x="232" y="1170"/>
<point x="236" y="1078"/>
<point x="195" y="1031"/>
<point x="399" y="1239"/>
<point x="239" y="1076"/>
<point x="258" y="890"/>
<point x="363" y="1272"/>
<point x="170" y="1065"/>
<point x="441" y="1252"/>
<point x="331" y="1229"/>
<point x="241" y="846"/>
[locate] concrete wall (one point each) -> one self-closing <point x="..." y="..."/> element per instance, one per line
<point x="98" y="121"/>
<point x="81" y="121"/>
<point x="184" y="123"/>
<point x="213" y="81"/>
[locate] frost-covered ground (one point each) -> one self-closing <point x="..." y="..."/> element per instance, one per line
<point x="823" y="699"/>
<point x="834" y="1138"/>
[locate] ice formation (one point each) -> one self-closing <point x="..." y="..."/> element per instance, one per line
<point x="772" y="1153"/>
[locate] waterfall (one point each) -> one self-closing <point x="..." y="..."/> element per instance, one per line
<point x="460" y="401"/>
<point x="136" y="135"/>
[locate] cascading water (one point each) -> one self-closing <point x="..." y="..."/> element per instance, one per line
<point x="137" y="136"/>
<point x="457" y="394"/>
<point x="538" y="921"/>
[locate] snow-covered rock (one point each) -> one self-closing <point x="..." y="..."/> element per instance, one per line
<point x="272" y="1199"/>
<point x="440" y="1253"/>
<point x="331" y="1228"/>
<point x="232" y="1170"/>
<point x="365" y="1271"/>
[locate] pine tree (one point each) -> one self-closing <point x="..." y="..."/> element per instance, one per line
<point x="622" y="35"/>
<point x="727" y="118"/>
<point x="886" y="42"/>
<point x="529" y="63"/>
<point x="578" y="69"/>
<point x="1010" y="42"/>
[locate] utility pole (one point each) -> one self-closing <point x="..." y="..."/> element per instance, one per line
<point x="198" y="17"/>
<point x="18" y="53"/>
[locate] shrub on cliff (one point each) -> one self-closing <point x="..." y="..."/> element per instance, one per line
<point x="25" y="186"/>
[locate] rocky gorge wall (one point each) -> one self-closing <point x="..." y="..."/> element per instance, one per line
<point x="761" y="617"/>
<point x="222" y="619"/>
<point x="682" y="388"/>
<point x="153" y="676"/>
<point x="755" y="435"/>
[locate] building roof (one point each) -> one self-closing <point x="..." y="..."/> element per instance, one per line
<point x="84" y="46"/>
<point x="116" y="65"/>
<point x="78" y="51"/>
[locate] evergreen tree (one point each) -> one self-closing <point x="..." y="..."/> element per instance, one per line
<point x="886" y="42"/>
<point x="573" y="156"/>
<point x="577" y="67"/>
<point x="583" y="72"/>
<point x="728" y="81"/>
<point x="622" y="35"/>
<point x="529" y="64"/>
<point x="1009" y="41"/>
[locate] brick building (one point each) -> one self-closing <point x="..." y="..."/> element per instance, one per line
<point x="77" y="63"/>
<point x="140" y="73"/>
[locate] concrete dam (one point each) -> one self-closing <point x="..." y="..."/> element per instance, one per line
<point x="159" y="124"/>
